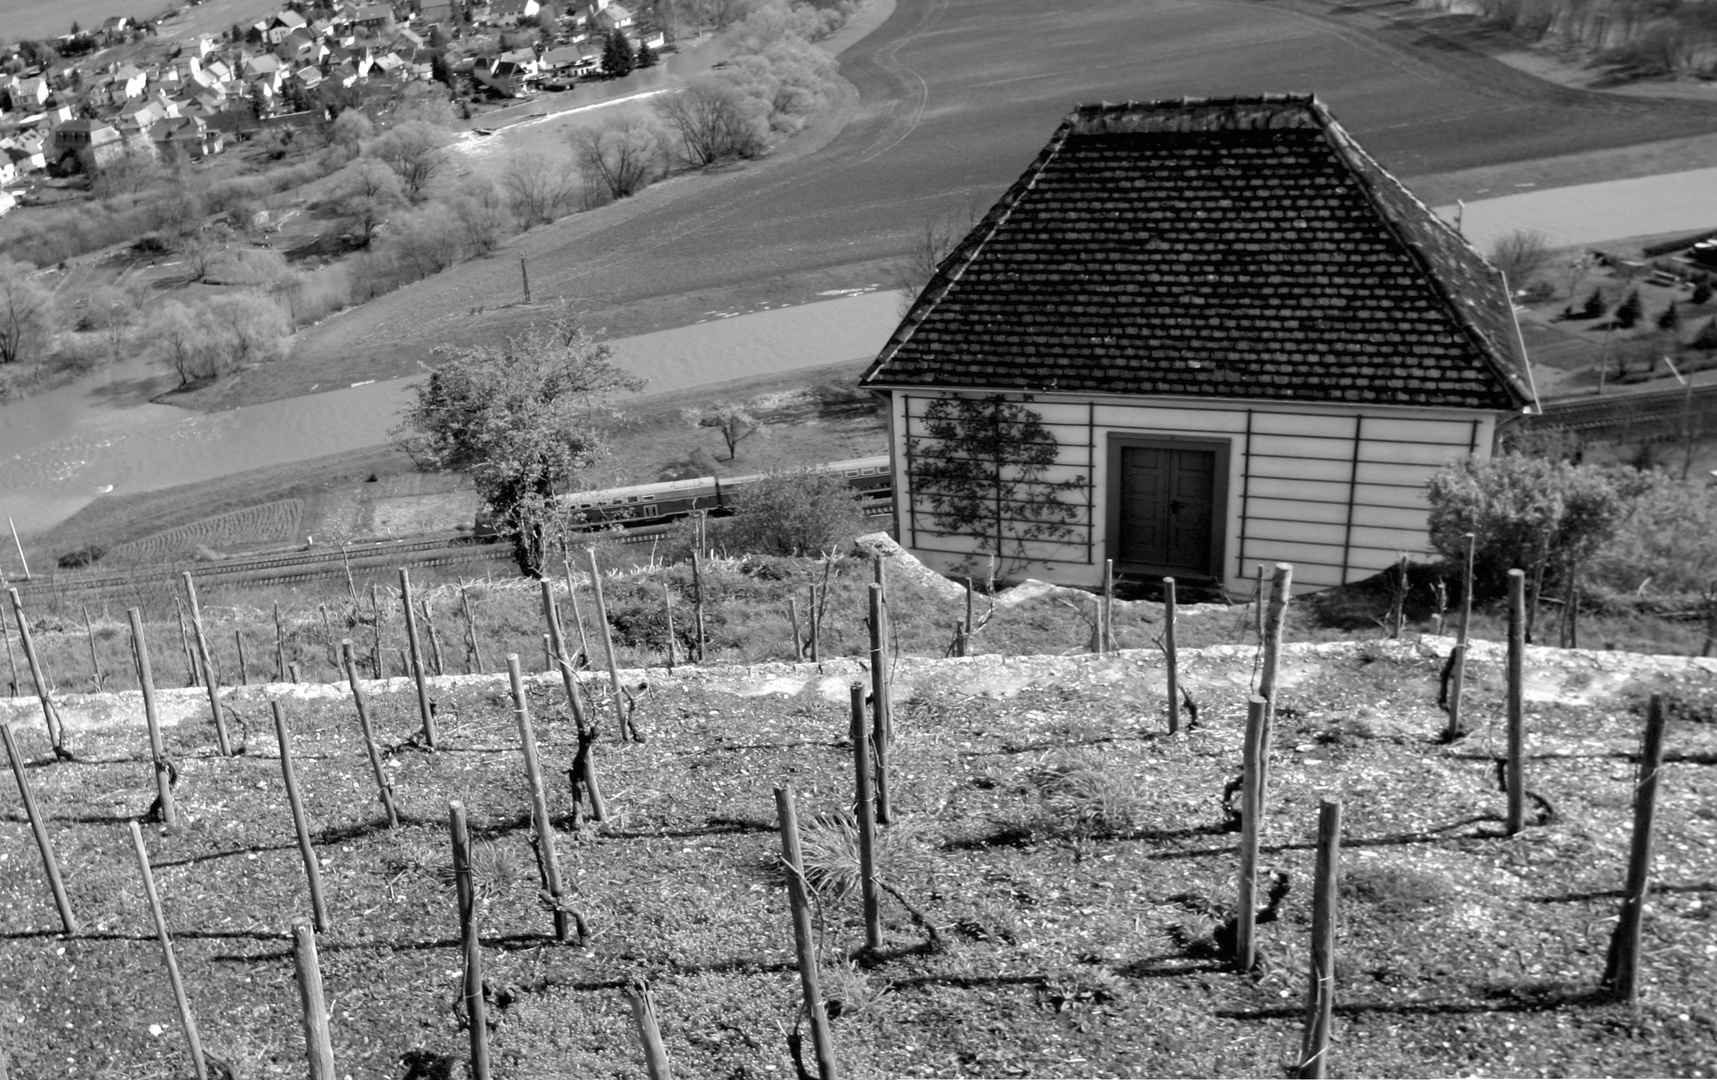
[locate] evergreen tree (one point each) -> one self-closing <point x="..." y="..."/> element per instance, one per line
<point x="616" y="55"/>
<point x="1628" y="315"/>
<point x="1594" y="306"/>
<point x="646" y="55"/>
<point x="1670" y="320"/>
<point x="1706" y="339"/>
<point x="1701" y="293"/>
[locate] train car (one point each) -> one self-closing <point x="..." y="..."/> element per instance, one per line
<point x="649" y="504"/>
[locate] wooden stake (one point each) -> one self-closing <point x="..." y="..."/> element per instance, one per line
<point x="1251" y="826"/>
<point x="50" y="864"/>
<point x="547" y="861"/>
<point x="697" y="601"/>
<point x="333" y="652"/>
<point x="1171" y="655"/>
<point x="243" y="671"/>
<point x="548" y="654"/>
<point x="668" y="610"/>
<point x="643" y="1005"/>
<point x="157" y="750"/>
<point x="1258" y="613"/>
<point x="376" y="631"/>
<point x="56" y="736"/>
<point x="627" y="729"/>
<point x="472" y="993"/>
<point x="383" y="787"/>
<point x="793" y="620"/>
<point x="1458" y="682"/>
<point x="279" y="646"/>
<point x="816" y="617"/>
<point x="865" y="813"/>
<point x="318" y="1042"/>
<point x="474" y="658"/>
<point x="1320" y="990"/>
<point x="192" y="1042"/>
<point x="434" y="638"/>
<point x="572" y="598"/>
<point x="1281" y="585"/>
<point x="804" y="940"/>
<point x="292" y="673"/>
<point x="191" y="673"/>
<point x="94" y="661"/>
<point x="12" y="664"/>
<point x="300" y="823"/>
<point x="1516" y="701"/>
<point x="879" y="705"/>
<point x="575" y="701"/>
<point x="19" y="544"/>
<point x="1621" y="970"/>
<point x="1105" y="618"/>
<point x="966" y="627"/>
<point x="415" y="656"/>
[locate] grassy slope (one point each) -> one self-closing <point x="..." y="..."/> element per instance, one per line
<point x="1069" y="949"/>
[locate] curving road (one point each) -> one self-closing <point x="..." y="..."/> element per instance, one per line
<point x="954" y="98"/>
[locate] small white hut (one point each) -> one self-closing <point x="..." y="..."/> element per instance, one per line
<point x="1195" y="336"/>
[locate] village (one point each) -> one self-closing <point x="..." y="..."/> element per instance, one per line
<point x="91" y="97"/>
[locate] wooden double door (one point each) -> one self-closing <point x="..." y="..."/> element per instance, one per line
<point x="1167" y="500"/>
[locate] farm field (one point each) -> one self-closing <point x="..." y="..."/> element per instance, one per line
<point x="1074" y="860"/>
<point x="954" y="99"/>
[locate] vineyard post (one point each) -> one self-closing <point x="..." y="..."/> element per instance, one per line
<point x="1170" y="654"/>
<point x="185" y="644"/>
<point x="434" y="638"/>
<point x="318" y="1042"/>
<point x="865" y="812"/>
<point x="643" y="1004"/>
<point x="627" y="730"/>
<point x="471" y="992"/>
<point x="548" y="654"/>
<point x="11" y="664"/>
<point x="697" y="600"/>
<point x="50" y="864"/>
<point x="328" y="639"/>
<point x="668" y="610"/>
<point x="209" y="680"/>
<point x="1320" y="989"/>
<point x="793" y="621"/>
<point x="1457" y="685"/>
<point x="966" y="627"/>
<point x="572" y="598"/>
<point x="879" y="705"/>
<point x="243" y="671"/>
<point x="19" y="544"/>
<point x="1258" y="611"/>
<point x="1281" y="585"/>
<point x="416" y="658"/>
<point x="548" y="862"/>
<point x="1516" y="701"/>
<point x="804" y="939"/>
<point x="376" y="631"/>
<point x="1106" y="613"/>
<point x="157" y="753"/>
<point x="1621" y="970"/>
<point x="292" y="675"/>
<point x="94" y="661"/>
<point x="816" y="627"/>
<point x="586" y="732"/>
<point x="350" y="663"/>
<point x="473" y="659"/>
<point x="1251" y="825"/>
<point x="279" y="646"/>
<point x="186" y="1020"/>
<point x="300" y="822"/>
<point x="55" y="734"/>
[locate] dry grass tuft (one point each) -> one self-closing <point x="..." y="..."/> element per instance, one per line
<point x="1086" y="795"/>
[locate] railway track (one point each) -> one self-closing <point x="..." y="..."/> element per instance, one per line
<point x="1635" y="413"/>
<point x="304" y="566"/>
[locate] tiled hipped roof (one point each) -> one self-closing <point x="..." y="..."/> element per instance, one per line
<point x="1217" y="248"/>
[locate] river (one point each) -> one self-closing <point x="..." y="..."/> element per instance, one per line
<point x="61" y="450"/>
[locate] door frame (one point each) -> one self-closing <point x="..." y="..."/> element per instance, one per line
<point x="1218" y="499"/>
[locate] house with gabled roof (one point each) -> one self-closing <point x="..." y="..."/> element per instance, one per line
<point x="1194" y="337"/>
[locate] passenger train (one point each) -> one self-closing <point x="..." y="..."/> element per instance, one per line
<point x="650" y="504"/>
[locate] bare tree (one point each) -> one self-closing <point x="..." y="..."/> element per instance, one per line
<point x="734" y="421"/>
<point x="26" y="311"/>
<point x="934" y="241"/>
<point x="179" y="334"/>
<point x="713" y="122"/>
<point x="417" y="151"/>
<point x="366" y="192"/>
<point x="541" y="187"/>
<point x="247" y="327"/>
<point x="1520" y="255"/>
<point x="483" y="217"/>
<point x="622" y="156"/>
